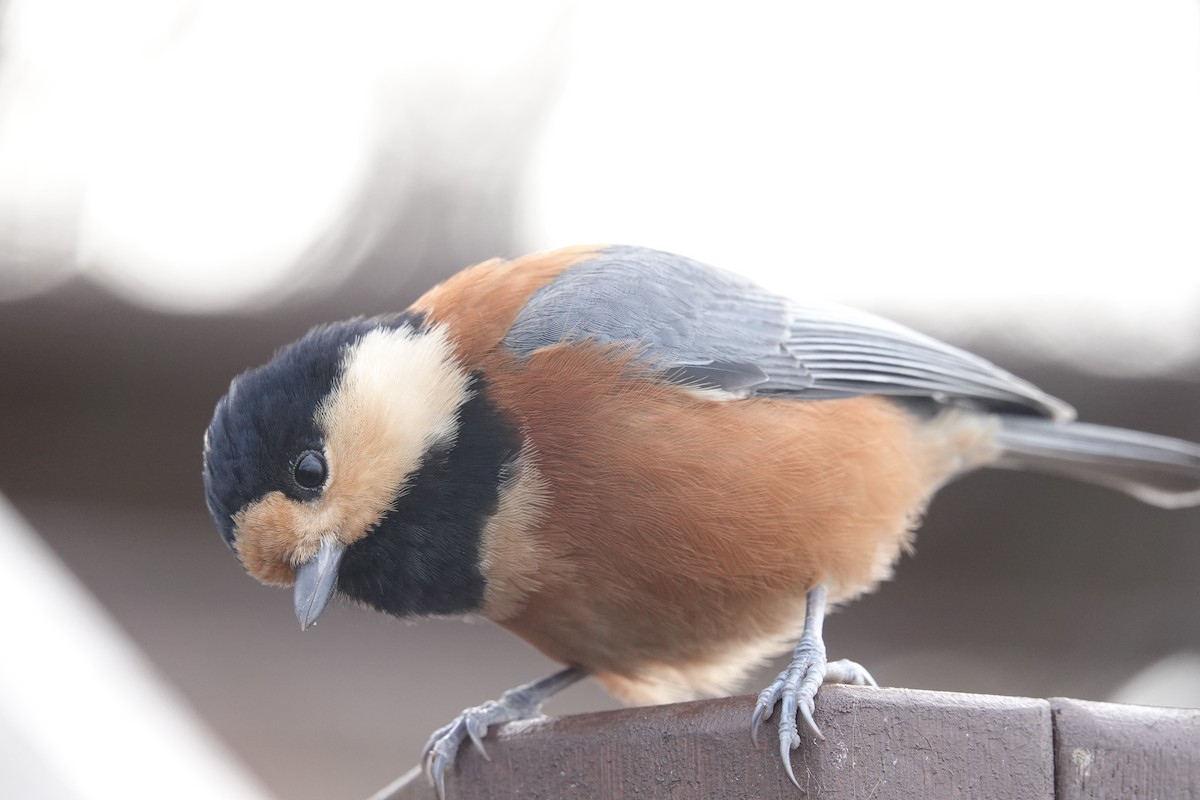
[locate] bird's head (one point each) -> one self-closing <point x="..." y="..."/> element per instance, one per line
<point x="362" y="459"/>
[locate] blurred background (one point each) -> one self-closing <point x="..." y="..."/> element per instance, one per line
<point x="185" y="185"/>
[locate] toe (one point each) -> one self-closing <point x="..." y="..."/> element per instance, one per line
<point x="806" y="711"/>
<point x="441" y="758"/>
<point x="787" y="711"/>
<point x="477" y="729"/>
<point x="441" y="752"/>
<point x="436" y="737"/>
<point x="785" y="753"/>
<point x="848" y="672"/>
<point x="764" y="708"/>
<point x="438" y="776"/>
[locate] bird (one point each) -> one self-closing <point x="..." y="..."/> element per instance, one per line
<point x="654" y="471"/>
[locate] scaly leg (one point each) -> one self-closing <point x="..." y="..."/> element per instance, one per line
<point x="523" y="702"/>
<point x="797" y="685"/>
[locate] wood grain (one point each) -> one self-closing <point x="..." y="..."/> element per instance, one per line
<point x="879" y="744"/>
<point x="1103" y="750"/>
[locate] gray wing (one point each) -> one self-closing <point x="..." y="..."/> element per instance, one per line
<point x="713" y="329"/>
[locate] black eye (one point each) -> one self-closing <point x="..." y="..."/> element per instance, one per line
<point x="310" y="470"/>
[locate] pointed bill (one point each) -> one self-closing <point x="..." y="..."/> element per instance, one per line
<point x="316" y="581"/>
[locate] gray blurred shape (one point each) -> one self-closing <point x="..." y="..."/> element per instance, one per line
<point x="1173" y="681"/>
<point x="82" y="715"/>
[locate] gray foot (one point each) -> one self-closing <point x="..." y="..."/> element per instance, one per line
<point x="797" y="688"/>
<point x="523" y="702"/>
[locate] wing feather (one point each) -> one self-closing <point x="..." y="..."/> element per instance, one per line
<point x="701" y="325"/>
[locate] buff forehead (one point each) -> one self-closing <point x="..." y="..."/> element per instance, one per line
<point x="398" y="395"/>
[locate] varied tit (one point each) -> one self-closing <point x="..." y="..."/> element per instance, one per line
<point x="652" y="470"/>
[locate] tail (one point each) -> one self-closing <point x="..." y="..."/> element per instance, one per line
<point x="1158" y="470"/>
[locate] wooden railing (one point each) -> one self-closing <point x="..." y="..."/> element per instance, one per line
<point x="879" y="744"/>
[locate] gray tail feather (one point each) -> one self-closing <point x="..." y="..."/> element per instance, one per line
<point x="1155" y="469"/>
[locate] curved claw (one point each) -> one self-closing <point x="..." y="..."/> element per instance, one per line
<point x="785" y="753"/>
<point x="523" y="702"/>
<point x="806" y="711"/>
<point x="795" y="689"/>
<point x="476" y="729"/>
<point x="433" y="740"/>
<point x="440" y="758"/>
<point x="848" y="672"/>
<point x="762" y="712"/>
<point x="427" y="752"/>
<point x="438" y="776"/>
<point x="441" y="751"/>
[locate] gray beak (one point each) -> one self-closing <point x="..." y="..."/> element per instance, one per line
<point x="316" y="581"/>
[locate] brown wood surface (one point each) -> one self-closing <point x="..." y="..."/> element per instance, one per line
<point x="879" y="744"/>
<point x="1104" y="751"/>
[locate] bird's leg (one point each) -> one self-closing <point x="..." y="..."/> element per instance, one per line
<point x="797" y="685"/>
<point x="523" y="702"/>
